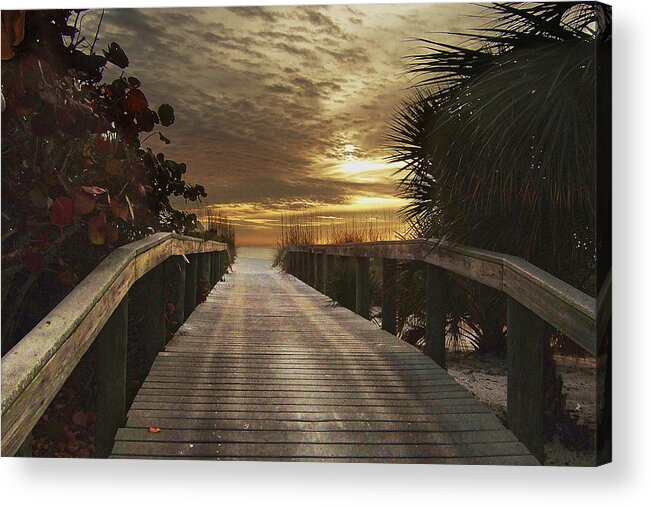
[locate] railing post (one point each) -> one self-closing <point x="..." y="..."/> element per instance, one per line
<point x="318" y="271"/>
<point x="389" y="279"/>
<point x="204" y="271"/>
<point x="437" y="309"/>
<point x="362" y="287"/>
<point x="525" y="349"/>
<point x="219" y="263"/>
<point x="303" y="276"/>
<point x="154" y="318"/>
<point x="325" y="269"/>
<point x="176" y="271"/>
<point x="310" y="268"/>
<point x="111" y="378"/>
<point x="213" y="268"/>
<point x="190" y="285"/>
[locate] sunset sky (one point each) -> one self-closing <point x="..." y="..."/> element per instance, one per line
<point x="279" y="108"/>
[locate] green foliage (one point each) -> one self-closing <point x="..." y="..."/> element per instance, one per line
<point x="77" y="180"/>
<point x="499" y="140"/>
<point x="499" y="146"/>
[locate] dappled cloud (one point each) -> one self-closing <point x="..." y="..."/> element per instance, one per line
<point x="279" y="109"/>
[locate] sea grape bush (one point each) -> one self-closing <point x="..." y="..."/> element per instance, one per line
<point x="77" y="180"/>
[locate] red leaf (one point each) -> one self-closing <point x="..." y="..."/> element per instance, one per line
<point x="62" y="212"/>
<point x="103" y="145"/>
<point x="136" y="102"/>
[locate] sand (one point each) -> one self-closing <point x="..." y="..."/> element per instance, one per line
<point x="485" y="377"/>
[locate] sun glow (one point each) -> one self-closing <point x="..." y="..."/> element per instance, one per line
<point x="359" y="166"/>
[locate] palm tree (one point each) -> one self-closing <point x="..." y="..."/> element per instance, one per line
<point x="499" y="139"/>
<point x="500" y="143"/>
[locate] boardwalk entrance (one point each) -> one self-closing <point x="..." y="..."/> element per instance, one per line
<point x="268" y="369"/>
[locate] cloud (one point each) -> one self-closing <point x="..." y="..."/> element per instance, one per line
<point x="265" y="98"/>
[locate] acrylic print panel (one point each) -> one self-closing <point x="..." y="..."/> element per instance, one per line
<point x="347" y="233"/>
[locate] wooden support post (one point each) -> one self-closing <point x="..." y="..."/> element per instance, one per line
<point x="176" y="272"/>
<point x="309" y="268"/>
<point x="154" y="317"/>
<point x="525" y="348"/>
<point x="318" y="271"/>
<point x="213" y="268"/>
<point x="438" y="295"/>
<point x="325" y="269"/>
<point x="220" y="263"/>
<point x="111" y="346"/>
<point x="362" y="287"/>
<point x="204" y="271"/>
<point x="190" y="285"/>
<point x="389" y="280"/>
<point x="303" y="276"/>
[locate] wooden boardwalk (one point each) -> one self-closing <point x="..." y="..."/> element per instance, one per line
<point x="268" y="369"/>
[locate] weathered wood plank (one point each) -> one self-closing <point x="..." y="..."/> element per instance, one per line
<point x="312" y="437"/>
<point x="267" y="368"/>
<point x="559" y="304"/>
<point x="272" y="450"/>
<point x="443" y="423"/>
<point x="34" y="370"/>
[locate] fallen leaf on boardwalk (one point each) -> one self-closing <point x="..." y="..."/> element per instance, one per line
<point x="153" y="430"/>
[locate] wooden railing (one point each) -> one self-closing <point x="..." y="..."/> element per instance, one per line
<point x="35" y="369"/>
<point x="535" y="299"/>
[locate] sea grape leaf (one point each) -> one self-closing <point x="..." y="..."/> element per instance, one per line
<point x="116" y="55"/>
<point x="166" y="114"/>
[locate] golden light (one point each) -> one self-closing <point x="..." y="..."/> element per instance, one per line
<point x="388" y="202"/>
<point x="359" y="166"/>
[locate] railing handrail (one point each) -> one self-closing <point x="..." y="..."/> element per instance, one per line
<point x="563" y="306"/>
<point x="42" y="361"/>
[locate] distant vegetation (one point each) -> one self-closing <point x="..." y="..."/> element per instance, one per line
<point x="214" y="225"/>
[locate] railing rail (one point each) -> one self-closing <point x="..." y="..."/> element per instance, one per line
<point x="563" y="306"/>
<point x="35" y="369"/>
<point x="535" y="299"/>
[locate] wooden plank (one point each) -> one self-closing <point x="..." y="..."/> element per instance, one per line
<point x="316" y="437"/>
<point x="503" y="460"/>
<point x="559" y="304"/>
<point x="34" y="370"/>
<point x="271" y="450"/>
<point x="268" y="369"/>
<point x="562" y="306"/>
<point x="443" y="423"/>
